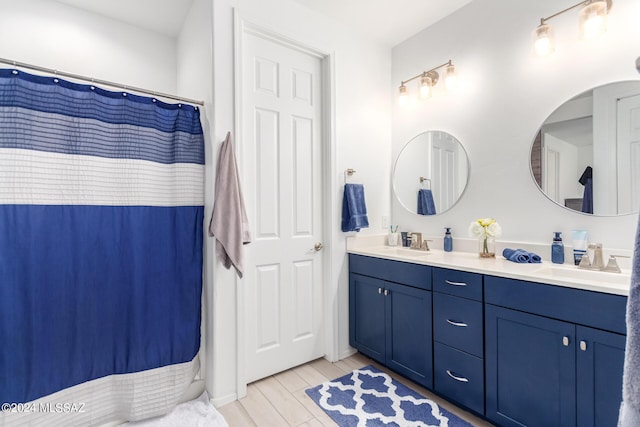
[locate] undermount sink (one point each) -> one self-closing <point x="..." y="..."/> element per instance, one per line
<point x="578" y="274"/>
<point x="402" y="251"/>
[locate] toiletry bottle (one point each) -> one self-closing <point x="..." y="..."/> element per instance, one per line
<point x="557" y="249"/>
<point x="448" y="241"/>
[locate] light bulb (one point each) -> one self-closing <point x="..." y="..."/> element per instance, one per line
<point x="425" y="87"/>
<point x="593" y="20"/>
<point x="543" y="40"/>
<point x="451" y="77"/>
<point x="403" y="97"/>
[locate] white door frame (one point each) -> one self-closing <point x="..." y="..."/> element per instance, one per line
<point x="330" y="306"/>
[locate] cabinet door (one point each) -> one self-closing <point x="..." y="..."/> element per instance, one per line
<point x="530" y="369"/>
<point x="409" y="339"/>
<point x="366" y="316"/>
<point x="600" y="359"/>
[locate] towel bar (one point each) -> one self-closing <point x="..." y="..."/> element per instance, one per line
<point x="423" y="179"/>
<point x="348" y="172"/>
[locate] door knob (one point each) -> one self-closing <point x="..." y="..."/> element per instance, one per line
<point x="318" y="246"/>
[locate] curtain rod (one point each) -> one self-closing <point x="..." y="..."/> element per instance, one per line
<point x="98" y="81"/>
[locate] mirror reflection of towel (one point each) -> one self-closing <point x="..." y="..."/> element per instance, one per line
<point x="587" y="198"/>
<point x="354" y="208"/>
<point x="426" y="205"/>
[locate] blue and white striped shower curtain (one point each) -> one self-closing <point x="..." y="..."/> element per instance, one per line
<point x="101" y="215"/>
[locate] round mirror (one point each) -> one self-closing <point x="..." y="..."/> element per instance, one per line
<point x="430" y="173"/>
<point x="586" y="155"/>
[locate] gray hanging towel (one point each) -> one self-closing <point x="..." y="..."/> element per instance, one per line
<point x="229" y="223"/>
<point x="630" y="410"/>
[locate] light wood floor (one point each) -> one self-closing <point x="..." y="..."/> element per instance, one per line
<point x="280" y="400"/>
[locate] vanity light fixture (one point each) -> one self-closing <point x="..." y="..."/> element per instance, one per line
<point x="428" y="79"/>
<point x="592" y="22"/>
<point x="403" y="97"/>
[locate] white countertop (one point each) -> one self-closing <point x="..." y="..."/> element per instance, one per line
<point x="545" y="272"/>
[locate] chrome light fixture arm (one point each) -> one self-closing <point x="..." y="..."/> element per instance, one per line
<point x="433" y="73"/>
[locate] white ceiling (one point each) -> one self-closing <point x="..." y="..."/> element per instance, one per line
<point x="161" y="16"/>
<point x="387" y="21"/>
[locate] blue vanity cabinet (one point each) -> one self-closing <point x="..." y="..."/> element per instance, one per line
<point x="367" y="316"/>
<point x="530" y="372"/>
<point x="553" y="355"/>
<point x="458" y="334"/>
<point x="600" y="361"/>
<point x="390" y="315"/>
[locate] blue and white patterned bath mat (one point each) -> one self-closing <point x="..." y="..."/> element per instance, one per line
<point x="368" y="397"/>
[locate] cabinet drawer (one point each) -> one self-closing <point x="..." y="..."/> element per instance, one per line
<point x="458" y="322"/>
<point x="459" y="376"/>
<point x="595" y="309"/>
<point x="416" y="275"/>
<point x="459" y="283"/>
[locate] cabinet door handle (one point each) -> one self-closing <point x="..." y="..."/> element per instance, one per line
<point x="379" y="290"/>
<point x="449" y="282"/>
<point x="461" y="379"/>
<point x="565" y="341"/>
<point x="386" y="292"/>
<point x="583" y="345"/>
<point x="460" y="324"/>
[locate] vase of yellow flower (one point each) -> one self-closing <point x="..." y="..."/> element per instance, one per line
<point x="485" y="230"/>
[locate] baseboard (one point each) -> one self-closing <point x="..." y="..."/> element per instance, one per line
<point x="223" y="400"/>
<point x="347" y="353"/>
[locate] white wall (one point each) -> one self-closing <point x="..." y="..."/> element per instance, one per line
<point x="505" y="95"/>
<point x="361" y="137"/>
<point x="54" y="35"/>
<point x="195" y="81"/>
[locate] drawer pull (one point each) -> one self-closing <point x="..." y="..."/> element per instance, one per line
<point x="461" y="379"/>
<point x="449" y="282"/>
<point x="459" y="324"/>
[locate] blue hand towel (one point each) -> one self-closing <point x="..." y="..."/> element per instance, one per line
<point x="521" y="256"/>
<point x="426" y="206"/>
<point x="630" y="409"/>
<point x="354" y="208"/>
<point x="587" y="197"/>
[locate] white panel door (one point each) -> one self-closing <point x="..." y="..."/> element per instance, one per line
<point x="444" y="170"/>
<point x="628" y="154"/>
<point x="281" y="115"/>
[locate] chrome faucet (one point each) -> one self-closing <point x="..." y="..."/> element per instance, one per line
<point x="598" y="261"/>
<point x="612" y="265"/>
<point x="417" y="242"/>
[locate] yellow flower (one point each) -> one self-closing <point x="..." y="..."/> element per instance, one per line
<point x="484" y="227"/>
<point x="485" y="222"/>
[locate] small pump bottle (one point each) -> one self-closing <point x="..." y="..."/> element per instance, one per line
<point x="557" y="249"/>
<point x="448" y="241"/>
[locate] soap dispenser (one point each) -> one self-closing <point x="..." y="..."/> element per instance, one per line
<point x="557" y="249"/>
<point x="448" y="241"/>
